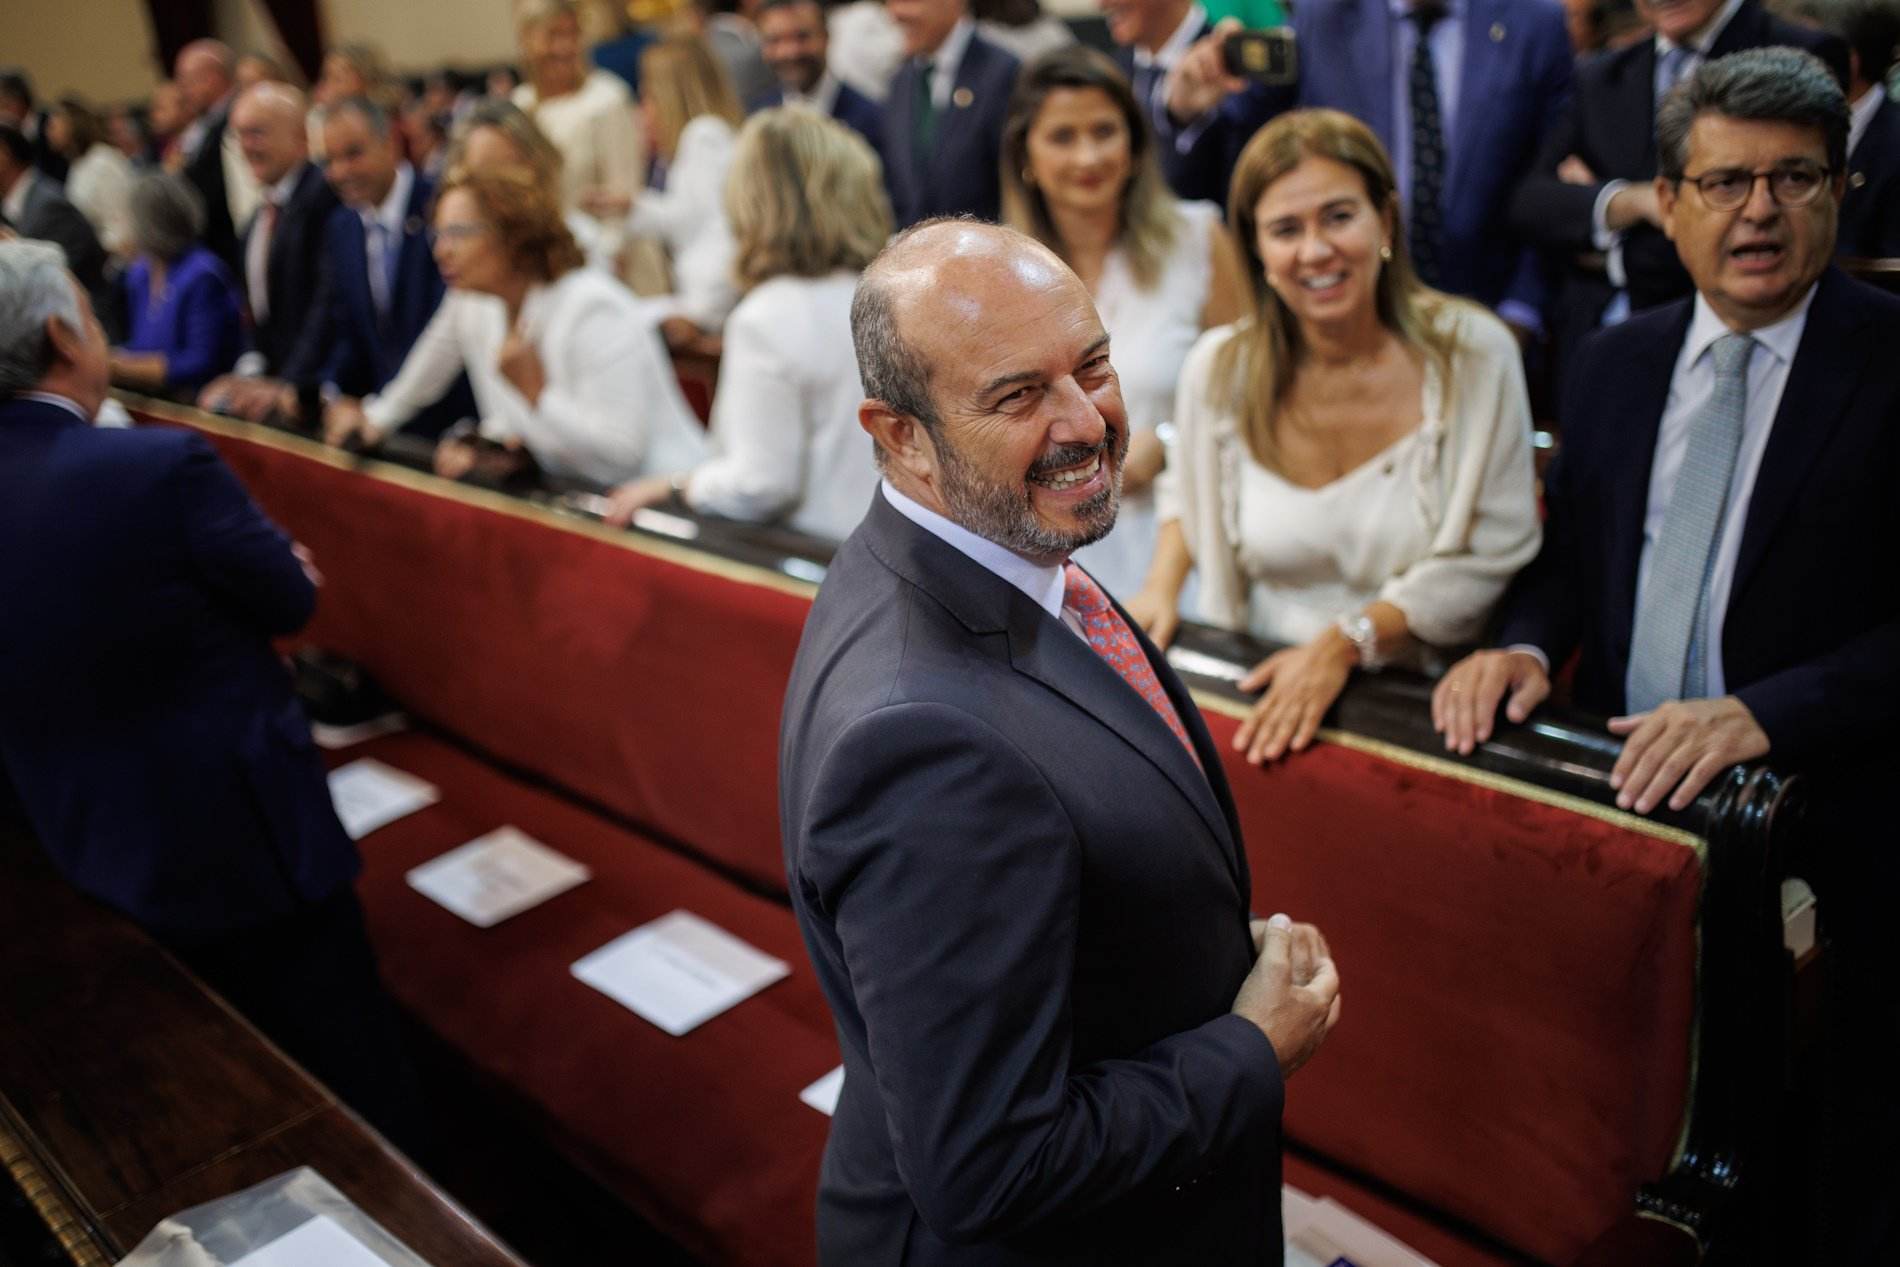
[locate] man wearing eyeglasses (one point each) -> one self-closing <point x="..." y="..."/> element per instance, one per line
<point x="1722" y="530"/>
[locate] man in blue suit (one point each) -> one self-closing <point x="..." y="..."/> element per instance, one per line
<point x="1459" y="93"/>
<point x="147" y="726"/>
<point x="943" y="122"/>
<point x="382" y="285"/>
<point x="1011" y="849"/>
<point x="794" y="42"/>
<point x="1151" y="37"/>
<point x="1720" y="520"/>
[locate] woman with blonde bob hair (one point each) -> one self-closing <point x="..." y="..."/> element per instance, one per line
<point x="586" y="112"/>
<point x="1354" y="474"/>
<point x="565" y="370"/>
<point x="1079" y="174"/>
<point x="807" y="205"/>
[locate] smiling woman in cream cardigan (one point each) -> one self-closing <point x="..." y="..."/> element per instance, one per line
<point x="1353" y="473"/>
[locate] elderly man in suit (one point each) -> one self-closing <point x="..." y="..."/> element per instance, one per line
<point x="34" y="205"/>
<point x="1720" y="519"/>
<point x="146" y="723"/>
<point x="1460" y="93"/>
<point x="989" y="779"/>
<point x="794" y="41"/>
<point x="283" y="258"/>
<point x="943" y="120"/>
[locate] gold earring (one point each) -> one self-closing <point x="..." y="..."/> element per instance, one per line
<point x="1385" y="252"/>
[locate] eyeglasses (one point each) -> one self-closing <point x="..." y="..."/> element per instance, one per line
<point x="1789" y="184"/>
<point x="456" y="232"/>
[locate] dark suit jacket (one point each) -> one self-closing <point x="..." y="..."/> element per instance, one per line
<point x="1513" y="85"/>
<point x="1028" y="909"/>
<point x="1610" y="123"/>
<point x="147" y="725"/>
<point x="1202" y="170"/>
<point x="851" y="108"/>
<point x="50" y="217"/>
<point x="292" y="339"/>
<point x="1811" y="639"/>
<point x="364" y="349"/>
<point x="1870" y="211"/>
<point x="961" y="175"/>
<point x="205" y="170"/>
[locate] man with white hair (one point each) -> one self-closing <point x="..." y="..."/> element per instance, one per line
<point x="147" y="726"/>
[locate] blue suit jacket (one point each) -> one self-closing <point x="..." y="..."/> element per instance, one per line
<point x="1513" y="86"/>
<point x="1040" y="1061"/>
<point x="1870" y="211"/>
<point x="1811" y="640"/>
<point x="961" y="175"/>
<point x="147" y="726"/>
<point x="852" y="108"/>
<point x="1201" y="171"/>
<point x="365" y="350"/>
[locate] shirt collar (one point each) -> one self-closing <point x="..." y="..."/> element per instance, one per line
<point x="1043" y="583"/>
<point x="1781" y="339"/>
<point x="1862" y="114"/>
<point x="67" y="403"/>
<point x="14" y="205"/>
<point x="280" y="193"/>
<point x="1700" y="42"/>
<point x="822" y="97"/>
<point x="1176" y="45"/>
<point x="389" y="213"/>
<point x="949" y="55"/>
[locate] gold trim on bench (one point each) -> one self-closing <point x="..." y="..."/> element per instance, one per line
<point x="49" y="1201"/>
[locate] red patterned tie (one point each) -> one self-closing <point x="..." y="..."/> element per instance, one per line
<point x="1111" y="638"/>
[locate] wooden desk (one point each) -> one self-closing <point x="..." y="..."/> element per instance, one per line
<point x="129" y="1092"/>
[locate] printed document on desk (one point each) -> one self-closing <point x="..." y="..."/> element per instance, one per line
<point x="318" y="1243"/>
<point x="369" y="794"/>
<point x="679" y="971"/>
<point x="496" y="877"/>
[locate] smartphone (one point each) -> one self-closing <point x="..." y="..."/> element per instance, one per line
<point x="1265" y="57"/>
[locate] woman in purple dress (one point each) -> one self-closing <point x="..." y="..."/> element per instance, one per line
<point x="183" y="310"/>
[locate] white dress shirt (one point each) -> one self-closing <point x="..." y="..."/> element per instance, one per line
<point x="785" y="431"/>
<point x="1862" y="115"/>
<point x="13" y="206"/>
<point x="611" y="409"/>
<point x="947" y="60"/>
<point x="382" y="233"/>
<point x="1689" y="390"/>
<point x="257" y="243"/>
<point x="67" y="403"/>
<point x="1044" y="583"/>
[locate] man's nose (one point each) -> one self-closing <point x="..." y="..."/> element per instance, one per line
<point x="1761" y="206"/>
<point x="1077" y="419"/>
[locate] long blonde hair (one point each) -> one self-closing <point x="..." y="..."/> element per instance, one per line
<point x="1261" y="358"/>
<point x="681" y="79"/>
<point x="805" y="196"/>
<point x="1150" y="218"/>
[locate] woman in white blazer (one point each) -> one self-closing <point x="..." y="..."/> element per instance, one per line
<point x="808" y="210"/>
<point x="565" y="368"/>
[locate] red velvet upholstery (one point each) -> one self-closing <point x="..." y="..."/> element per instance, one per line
<point x="1519" y="976"/>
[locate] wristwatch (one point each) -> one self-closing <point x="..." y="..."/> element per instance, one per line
<point x="1364" y="636"/>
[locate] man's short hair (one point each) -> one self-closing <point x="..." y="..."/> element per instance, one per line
<point x="888" y="365"/>
<point x="1770" y="85"/>
<point x="372" y="114"/>
<point x="14" y="142"/>
<point x="766" y="6"/>
<point x="34" y="288"/>
<point x="1871" y="29"/>
<point x="15" y="84"/>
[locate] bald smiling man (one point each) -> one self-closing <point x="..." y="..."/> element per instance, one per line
<point x="1011" y="848"/>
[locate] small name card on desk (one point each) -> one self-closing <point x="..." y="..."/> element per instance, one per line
<point x="496" y="876"/>
<point x="318" y="1243"/>
<point x="369" y="794"/>
<point x="679" y="971"/>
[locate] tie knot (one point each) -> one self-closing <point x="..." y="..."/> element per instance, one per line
<point x="1731" y="354"/>
<point x="1080" y="593"/>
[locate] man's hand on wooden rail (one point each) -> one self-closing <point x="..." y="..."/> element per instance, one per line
<point x="1682" y="745"/>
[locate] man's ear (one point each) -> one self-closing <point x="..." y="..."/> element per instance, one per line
<point x="1666" y="192"/>
<point x="67" y="343"/>
<point x="903" y="439"/>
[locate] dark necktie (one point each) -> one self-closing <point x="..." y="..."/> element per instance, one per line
<point x="1146" y="77"/>
<point x="923" y="122"/>
<point x="1428" y="147"/>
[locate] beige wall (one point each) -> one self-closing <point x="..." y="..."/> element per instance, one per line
<point x="99" y="49"/>
<point x="419" y="35"/>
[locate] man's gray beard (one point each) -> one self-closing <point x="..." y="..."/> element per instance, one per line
<point x="1007" y="516"/>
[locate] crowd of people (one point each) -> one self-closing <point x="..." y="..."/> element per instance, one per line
<point x="1331" y="307"/>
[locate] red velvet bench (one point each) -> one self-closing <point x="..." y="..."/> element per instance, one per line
<point x="1517" y="1077"/>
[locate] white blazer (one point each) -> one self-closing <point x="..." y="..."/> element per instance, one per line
<point x="689" y="216"/>
<point x="612" y="408"/>
<point x="785" y="418"/>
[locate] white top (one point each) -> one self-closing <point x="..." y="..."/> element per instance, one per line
<point x="866" y="47"/>
<point x="594" y="129"/>
<point x="100" y="185"/>
<point x="785" y="431"/>
<point x="611" y="410"/>
<point x="689" y="216"/>
<point x="1436" y="525"/>
<point x="1150" y="332"/>
<point x="1689" y="390"/>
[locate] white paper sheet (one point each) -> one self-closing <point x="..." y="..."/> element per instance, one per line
<point x="318" y="1243"/>
<point x="679" y="971"/>
<point x="496" y="876"/>
<point x="823" y="1094"/>
<point x="369" y="794"/>
<point x="1320" y="1232"/>
<point x="334" y="737"/>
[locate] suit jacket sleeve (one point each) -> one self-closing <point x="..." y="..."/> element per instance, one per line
<point x="1552" y="212"/>
<point x="207" y="316"/>
<point x="235" y="551"/>
<point x="959" y="934"/>
<point x="1844" y="699"/>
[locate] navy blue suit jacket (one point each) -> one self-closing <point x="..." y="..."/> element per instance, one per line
<point x="364" y="349"/>
<point x="1870" y="210"/>
<point x="961" y="175"/>
<point x="979" y="815"/>
<point x="150" y="731"/>
<point x="1514" y="83"/>
<point x="1201" y="171"/>
<point x="292" y="337"/>
<point x="851" y="108"/>
<point x="1811" y="639"/>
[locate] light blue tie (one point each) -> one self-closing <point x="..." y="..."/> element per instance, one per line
<point x="1668" y="647"/>
<point x="1670" y="68"/>
<point x="379" y="266"/>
